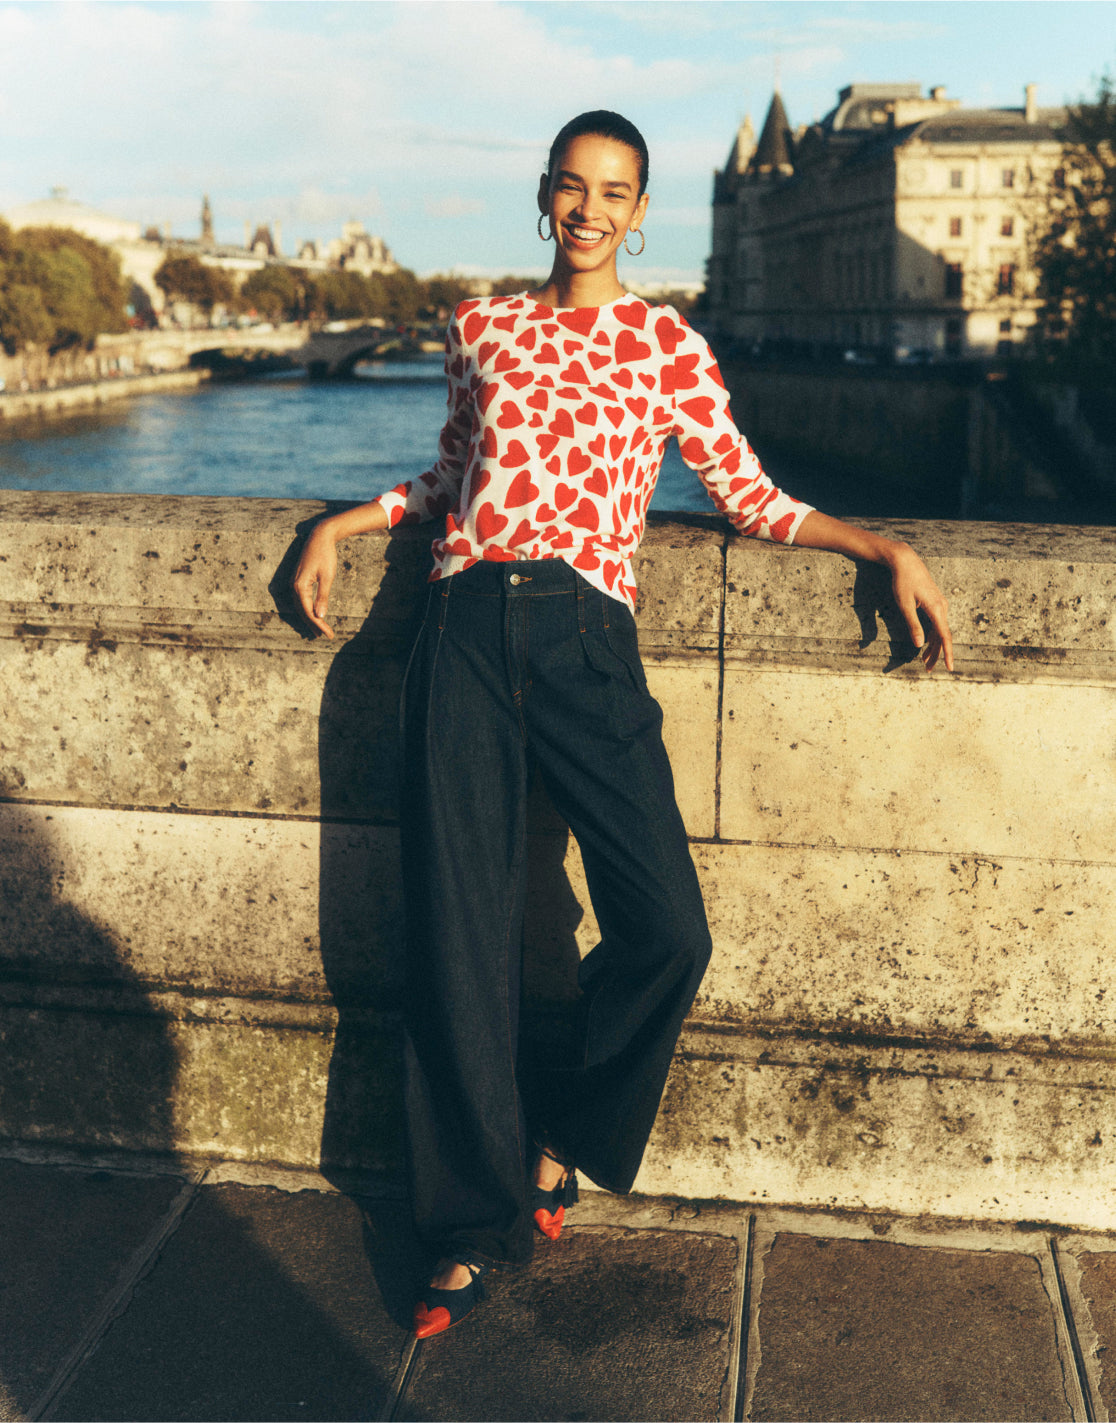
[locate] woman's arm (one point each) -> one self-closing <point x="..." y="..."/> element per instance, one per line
<point x="911" y="583"/>
<point x="317" y="567"/>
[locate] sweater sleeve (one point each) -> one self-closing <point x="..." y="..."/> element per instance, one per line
<point x="434" y="493"/>
<point x="711" y="444"/>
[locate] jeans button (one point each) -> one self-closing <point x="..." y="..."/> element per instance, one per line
<point x="515" y="580"/>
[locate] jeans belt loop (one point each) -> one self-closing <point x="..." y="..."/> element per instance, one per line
<point x="580" y="606"/>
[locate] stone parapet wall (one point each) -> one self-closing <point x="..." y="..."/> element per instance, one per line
<point x="909" y="879"/>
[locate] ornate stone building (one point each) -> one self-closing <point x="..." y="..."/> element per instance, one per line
<point x="898" y="225"/>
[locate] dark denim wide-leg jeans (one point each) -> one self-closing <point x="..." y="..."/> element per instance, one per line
<point x="514" y="663"/>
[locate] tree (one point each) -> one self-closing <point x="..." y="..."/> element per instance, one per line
<point x="1075" y="247"/>
<point x="187" y="278"/>
<point x="275" y="292"/>
<point x="57" y="288"/>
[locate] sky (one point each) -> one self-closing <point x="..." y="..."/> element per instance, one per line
<point x="430" y="122"/>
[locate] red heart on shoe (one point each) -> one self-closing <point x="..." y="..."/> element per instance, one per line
<point x="431" y="1321"/>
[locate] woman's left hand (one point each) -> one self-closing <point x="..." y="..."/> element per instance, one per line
<point x="913" y="587"/>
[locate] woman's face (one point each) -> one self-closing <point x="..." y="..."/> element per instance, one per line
<point x="592" y="200"/>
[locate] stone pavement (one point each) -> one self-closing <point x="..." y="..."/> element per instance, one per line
<point x="149" y="1291"/>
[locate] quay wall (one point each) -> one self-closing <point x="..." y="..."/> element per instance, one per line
<point x="910" y="878"/>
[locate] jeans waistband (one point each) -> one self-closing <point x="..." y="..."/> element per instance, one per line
<point x="525" y="578"/>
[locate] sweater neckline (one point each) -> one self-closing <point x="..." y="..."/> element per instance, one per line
<point x="560" y="310"/>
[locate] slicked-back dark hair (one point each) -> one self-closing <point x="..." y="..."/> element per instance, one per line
<point x="601" y="123"/>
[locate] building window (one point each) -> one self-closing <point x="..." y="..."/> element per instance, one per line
<point x="1007" y="178"/>
<point x="954" y="279"/>
<point x="955" y="227"/>
<point x="1005" y="280"/>
<point x="953" y="336"/>
<point x="955" y="177"/>
<point x="1005" y="325"/>
<point x="1007" y="227"/>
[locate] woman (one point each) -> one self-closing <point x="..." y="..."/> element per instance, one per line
<point x="561" y="401"/>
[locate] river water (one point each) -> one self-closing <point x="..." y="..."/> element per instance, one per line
<point x="278" y="437"/>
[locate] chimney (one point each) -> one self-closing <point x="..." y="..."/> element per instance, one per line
<point x="1030" y="107"/>
<point x="277" y="237"/>
<point x="938" y="92"/>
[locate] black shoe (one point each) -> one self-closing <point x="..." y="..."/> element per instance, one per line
<point x="549" y="1207"/>
<point x="436" y="1310"/>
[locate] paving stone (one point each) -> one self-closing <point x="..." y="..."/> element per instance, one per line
<point x="1098" y="1285"/>
<point x="864" y="1330"/>
<point x="262" y="1305"/>
<point x="604" y="1323"/>
<point x="67" y="1235"/>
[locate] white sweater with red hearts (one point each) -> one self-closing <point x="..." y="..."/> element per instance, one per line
<point x="557" y="423"/>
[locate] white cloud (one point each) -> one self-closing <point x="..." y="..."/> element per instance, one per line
<point x="453" y="205"/>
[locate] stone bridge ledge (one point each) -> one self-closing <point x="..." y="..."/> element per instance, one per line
<point x="909" y="878"/>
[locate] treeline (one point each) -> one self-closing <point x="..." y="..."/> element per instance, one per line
<point x="58" y="289"/>
<point x="281" y="293"/>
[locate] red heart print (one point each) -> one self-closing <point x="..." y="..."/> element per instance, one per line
<point x="597" y="359"/>
<point x="516" y="455"/>
<point x="634" y="314"/>
<point x="538" y="401"/>
<point x="510" y="415"/>
<point x="582" y="319"/>
<point x="604" y="391"/>
<point x="489" y="523"/>
<point x="700" y="408"/>
<point x="545" y="443"/>
<point x="596" y="445"/>
<point x="487" y="350"/>
<point x="630" y="348"/>
<point x="527" y="339"/>
<point x="693" y="451"/>
<point x="562" y="424"/>
<point x="597" y="483"/>
<point x="550" y="328"/>
<point x="546" y="380"/>
<point x="486" y="395"/>
<point x="571" y="346"/>
<point x="637" y="404"/>
<point x="611" y="572"/>
<point x="576" y="373"/>
<point x="568" y="392"/>
<point x="615" y="414"/>
<point x="525" y="532"/>
<point x="457" y="368"/>
<point x="624" y="378"/>
<point x="499" y="555"/>
<point x="602" y="338"/>
<point x="564" y="496"/>
<point x="715" y="375"/>
<point x="661" y="416"/>
<point x="615" y="444"/>
<point x="685" y="372"/>
<point x="505" y="361"/>
<point x="548" y="355"/>
<point x="648" y="381"/>
<point x="625" y="504"/>
<point x="520" y="491"/>
<point x="577" y="462"/>
<point x="586" y="414"/>
<point x="780" y="530"/>
<point x="461" y="547"/>
<point x="629" y="468"/>
<point x="474" y="325"/>
<point x="669" y="335"/>
<point x="545" y="514"/>
<point x="555" y="465"/>
<point x="481" y="478"/>
<point x="536" y="421"/>
<point x="585" y="516"/>
<point x="588" y="560"/>
<point x="505" y="323"/>
<point x="488" y="445"/>
<point x="518" y="379"/>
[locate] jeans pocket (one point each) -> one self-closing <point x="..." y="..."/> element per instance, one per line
<point x="623" y="642"/>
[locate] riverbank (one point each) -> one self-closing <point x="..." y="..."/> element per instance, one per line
<point x="21" y="405"/>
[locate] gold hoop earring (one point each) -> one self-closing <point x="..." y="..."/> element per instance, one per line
<point x="642" y="243"/>
<point x="538" y="228"/>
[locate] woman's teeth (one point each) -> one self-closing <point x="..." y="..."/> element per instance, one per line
<point x="586" y="234"/>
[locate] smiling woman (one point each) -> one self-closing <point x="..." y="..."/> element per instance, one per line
<point x="561" y="404"/>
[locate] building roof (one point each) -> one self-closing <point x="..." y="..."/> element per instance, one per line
<point x="991" y="126"/>
<point x="773" y="152"/>
<point x="60" y="210"/>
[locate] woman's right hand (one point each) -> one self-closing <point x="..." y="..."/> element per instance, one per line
<point x="314" y="577"/>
